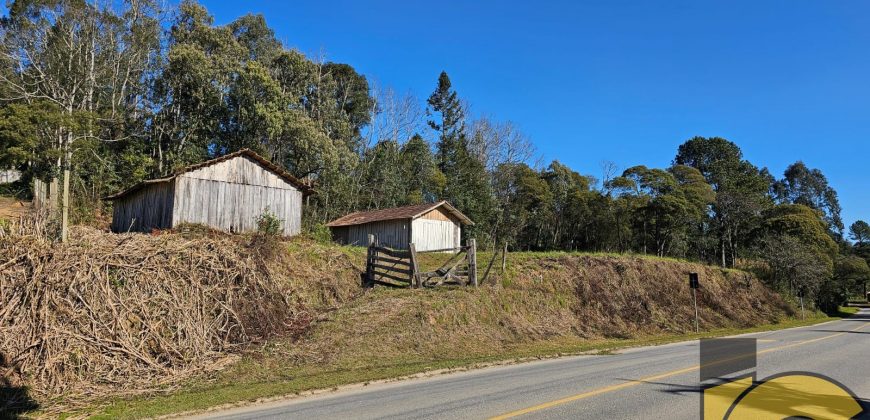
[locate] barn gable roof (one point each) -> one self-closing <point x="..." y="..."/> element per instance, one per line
<point x="396" y="213"/>
<point x="271" y="167"/>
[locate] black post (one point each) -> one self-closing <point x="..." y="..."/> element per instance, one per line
<point x="694" y="284"/>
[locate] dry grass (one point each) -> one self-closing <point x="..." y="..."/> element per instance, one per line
<point x="539" y="299"/>
<point x="152" y="313"/>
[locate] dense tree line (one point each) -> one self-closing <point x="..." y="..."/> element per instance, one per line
<point x="101" y="96"/>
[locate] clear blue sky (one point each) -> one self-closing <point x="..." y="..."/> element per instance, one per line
<point x="623" y="81"/>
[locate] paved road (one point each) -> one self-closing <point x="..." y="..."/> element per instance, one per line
<point x="649" y="382"/>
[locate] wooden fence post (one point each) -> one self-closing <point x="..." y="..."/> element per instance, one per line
<point x="472" y="261"/>
<point x="370" y="261"/>
<point x="416" y="281"/>
<point x="504" y="258"/>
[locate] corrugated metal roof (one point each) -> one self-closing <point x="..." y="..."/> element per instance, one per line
<point x="396" y="213"/>
<point x="277" y="170"/>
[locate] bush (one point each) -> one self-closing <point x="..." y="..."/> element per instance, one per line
<point x="269" y="224"/>
<point x="320" y="233"/>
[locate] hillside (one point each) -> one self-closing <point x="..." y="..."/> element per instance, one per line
<point x="242" y="317"/>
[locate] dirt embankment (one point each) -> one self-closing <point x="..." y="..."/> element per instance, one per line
<point x="123" y="314"/>
<point x="568" y="298"/>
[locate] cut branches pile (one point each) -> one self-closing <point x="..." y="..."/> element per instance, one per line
<point x="137" y="312"/>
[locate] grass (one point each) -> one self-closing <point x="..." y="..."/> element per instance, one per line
<point x="544" y="305"/>
<point x="246" y="384"/>
<point x="847" y="311"/>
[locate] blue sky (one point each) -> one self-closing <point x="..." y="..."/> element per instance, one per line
<point x="623" y="81"/>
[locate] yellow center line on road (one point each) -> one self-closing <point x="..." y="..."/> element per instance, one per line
<point x="640" y="381"/>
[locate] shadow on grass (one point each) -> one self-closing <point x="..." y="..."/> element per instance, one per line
<point x="14" y="401"/>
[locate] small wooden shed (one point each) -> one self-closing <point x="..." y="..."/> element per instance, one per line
<point x="428" y="226"/>
<point x="228" y="193"/>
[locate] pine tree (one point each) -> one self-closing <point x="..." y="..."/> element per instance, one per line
<point x="451" y="124"/>
<point x="467" y="183"/>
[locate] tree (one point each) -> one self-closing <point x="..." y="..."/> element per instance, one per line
<point x="668" y="204"/>
<point x="449" y="123"/>
<point x="90" y="61"/>
<point x="525" y="202"/>
<point x="796" y="245"/>
<point x="467" y="183"/>
<point x="860" y="232"/>
<point x="809" y="187"/>
<point x="741" y="191"/>
<point x="794" y="266"/>
<point x="423" y="181"/>
<point x="495" y="143"/>
<point x="851" y="274"/>
<point x="571" y="215"/>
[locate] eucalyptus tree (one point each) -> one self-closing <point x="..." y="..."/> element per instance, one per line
<point x="89" y="65"/>
<point x="742" y="192"/>
<point x="810" y="187"/>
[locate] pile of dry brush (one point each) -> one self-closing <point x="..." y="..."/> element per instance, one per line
<point x="137" y="312"/>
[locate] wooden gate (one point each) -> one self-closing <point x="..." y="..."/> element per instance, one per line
<point x="388" y="266"/>
<point x="400" y="268"/>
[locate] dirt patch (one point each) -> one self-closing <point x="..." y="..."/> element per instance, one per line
<point x="12" y="208"/>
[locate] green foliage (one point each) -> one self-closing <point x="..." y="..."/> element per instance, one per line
<point x="803" y="223"/>
<point x="269" y="224"/>
<point x="320" y="233"/>
<point x="157" y="100"/>
<point x="860" y="232"/>
<point x="742" y="194"/>
<point x="809" y="187"/>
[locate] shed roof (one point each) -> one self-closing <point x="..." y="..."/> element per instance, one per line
<point x="396" y="213"/>
<point x="277" y="170"/>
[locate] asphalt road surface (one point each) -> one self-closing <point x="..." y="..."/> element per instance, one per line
<point x="649" y="382"/>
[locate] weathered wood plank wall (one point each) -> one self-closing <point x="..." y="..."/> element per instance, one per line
<point x="390" y="233"/>
<point x="436" y="229"/>
<point x="235" y="207"/>
<point x="231" y="195"/>
<point x="228" y="195"/>
<point x="429" y="234"/>
<point x="144" y="210"/>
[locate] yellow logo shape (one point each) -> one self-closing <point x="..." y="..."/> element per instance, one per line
<point x="781" y="396"/>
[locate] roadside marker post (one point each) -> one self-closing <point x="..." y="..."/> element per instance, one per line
<point x="693" y="284"/>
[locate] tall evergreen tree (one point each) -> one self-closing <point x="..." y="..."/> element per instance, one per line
<point x="467" y="183"/>
<point x="449" y="122"/>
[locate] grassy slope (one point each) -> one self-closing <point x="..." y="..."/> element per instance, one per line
<point x="546" y="304"/>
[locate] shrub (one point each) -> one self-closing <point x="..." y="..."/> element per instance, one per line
<point x="320" y="233"/>
<point x="269" y="224"/>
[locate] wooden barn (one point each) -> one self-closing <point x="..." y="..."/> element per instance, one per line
<point x="8" y="176"/>
<point x="228" y="193"/>
<point x="428" y="226"/>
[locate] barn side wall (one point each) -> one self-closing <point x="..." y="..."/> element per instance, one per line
<point x="144" y="210"/>
<point x="8" y="176"/>
<point x="428" y="233"/>
<point x="231" y="195"/>
<point x="240" y="170"/>
<point x="390" y="233"/>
